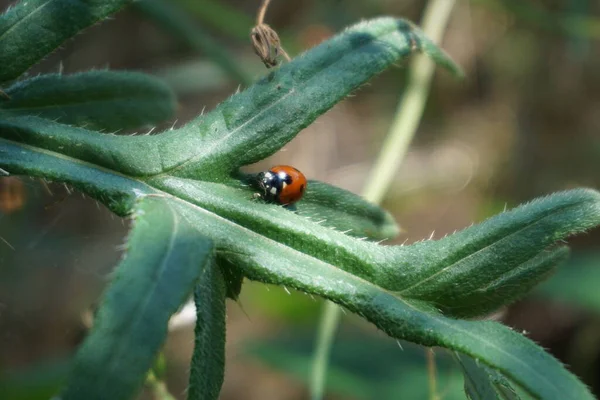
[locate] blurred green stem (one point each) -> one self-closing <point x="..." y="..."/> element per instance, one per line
<point x="330" y="319"/>
<point x="410" y="108"/>
<point x="158" y="388"/>
<point x="393" y="150"/>
<point x="432" y="374"/>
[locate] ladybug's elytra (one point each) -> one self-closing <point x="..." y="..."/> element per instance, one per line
<point x="282" y="184"/>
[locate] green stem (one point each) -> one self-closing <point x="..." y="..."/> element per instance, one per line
<point x="158" y="388"/>
<point x="432" y="375"/>
<point x="327" y="327"/>
<point x="411" y="106"/>
<point x="408" y="114"/>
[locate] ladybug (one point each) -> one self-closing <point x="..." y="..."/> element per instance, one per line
<point x="282" y="184"/>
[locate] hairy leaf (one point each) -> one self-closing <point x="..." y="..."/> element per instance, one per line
<point x="399" y="289"/>
<point x="509" y="247"/>
<point x="208" y="360"/>
<point x="259" y="121"/>
<point x="481" y="383"/>
<point x="338" y="208"/>
<point x="34" y="28"/>
<point x="158" y="273"/>
<point x="100" y="100"/>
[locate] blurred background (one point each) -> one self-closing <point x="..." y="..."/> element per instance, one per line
<point x="524" y="123"/>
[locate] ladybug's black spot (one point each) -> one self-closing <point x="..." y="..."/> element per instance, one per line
<point x="288" y="180"/>
<point x="301" y="188"/>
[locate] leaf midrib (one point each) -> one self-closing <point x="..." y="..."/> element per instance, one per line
<point x="74" y="160"/>
<point x="292" y="90"/>
<point x="21" y="20"/>
<point x="550" y="213"/>
<point x="215" y="144"/>
<point x="542" y="377"/>
<point x="137" y="316"/>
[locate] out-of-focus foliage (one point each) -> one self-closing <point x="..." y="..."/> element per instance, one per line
<point x="400" y="370"/>
<point x="576" y="283"/>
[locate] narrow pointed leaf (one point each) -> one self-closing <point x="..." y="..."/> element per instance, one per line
<point x="259" y="121"/>
<point x="233" y="277"/>
<point x="346" y="212"/>
<point x="482" y="383"/>
<point x="130" y="155"/>
<point x="478" y="269"/>
<point x="161" y="267"/>
<point x="100" y="100"/>
<point x="477" y="382"/>
<point x="208" y="360"/>
<point x="34" y="28"/>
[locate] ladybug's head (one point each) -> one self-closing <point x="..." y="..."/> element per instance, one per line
<point x="267" y="181"/>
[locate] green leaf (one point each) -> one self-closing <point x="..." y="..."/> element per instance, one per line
<point x="175" y="21"/>
<point x="233" y="277"/>
<point x="479" y="269"/>
<point x="346" y="212"/>
<point x="399" y="289"/>
<point x="256" y="123"/>
<point x="101" y="100"/>
<point x="208" y="360"/>
<point x="34" y="28"/>
<point x="277" y="262"/>
<point x="477" y="382"/>
<point x="481" y="383"/>
<point x="503" y="387"/>
<point x="158" y="273"/>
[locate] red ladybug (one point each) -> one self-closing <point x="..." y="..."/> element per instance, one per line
<point x="282" y="184"/>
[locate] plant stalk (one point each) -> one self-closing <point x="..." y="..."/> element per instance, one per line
<point x="403" y="129"/>
<point x="260" y="19"/>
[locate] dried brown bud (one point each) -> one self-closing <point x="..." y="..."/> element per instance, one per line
<point x="267" y="45"/>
